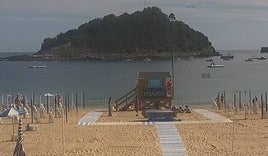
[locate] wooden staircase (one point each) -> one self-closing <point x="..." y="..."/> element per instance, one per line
<point x="127" y="100"/>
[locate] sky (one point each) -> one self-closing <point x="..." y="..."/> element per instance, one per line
<point x="229" y="24"/>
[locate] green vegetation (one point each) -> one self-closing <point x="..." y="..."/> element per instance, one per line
<point x="148" y="33"/>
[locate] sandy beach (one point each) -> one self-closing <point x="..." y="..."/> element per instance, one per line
<point x="250" y="136"/>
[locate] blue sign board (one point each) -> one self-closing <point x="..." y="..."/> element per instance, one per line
<point x="155" y="83"/>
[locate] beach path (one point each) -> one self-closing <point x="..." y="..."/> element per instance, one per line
<point x="89" y="118"/>
<point x="170" y="140"/>
<point x="212" y="116"/>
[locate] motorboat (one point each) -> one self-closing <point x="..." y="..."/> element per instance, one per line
<point x="213" y="65"/>
<point x="41" y="66"/>
<point x="249" y="59"/>
<point x="210" y="60"/>
<point x="148" y="59"/>
<point x="261" y="58"/>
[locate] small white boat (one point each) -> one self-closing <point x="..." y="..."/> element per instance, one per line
<point x="42" y="66"/>
<point x="128" y="60"/>
<point x="148" y="59"/>
<point x="249" y="59"/>
<point x="212" y="65"/>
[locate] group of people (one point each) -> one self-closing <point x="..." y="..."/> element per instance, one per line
<point x="180" y="109"/>
<point x="219" y="100"/>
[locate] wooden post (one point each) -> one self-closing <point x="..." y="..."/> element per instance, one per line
<point x="12" y="97"/>
<point x="224" y="100"/>
<point x="55" y="109"/>
<point x="173" y="76"/>
<point x="68" y="102"/>
<point x="66" y="112"/>
<point x="110" y="107"/>
<point x="2" y="100"/>
<point x="81" y="100"/>
<point x="40" y="100"/>
<point x="239" y="100"/>
<point x="84" y="104"/>
<point x="32" y="109"/>
<point x="76" y="104"/>
<point x="235" y="103"/>
<point x="245" y="105"/>
<point x="266" y="102"/>
<point x="126" y="100"/>
<point x="249" y="102"/>
<point x="262" y="106"/>
<point x="47" y="105"/>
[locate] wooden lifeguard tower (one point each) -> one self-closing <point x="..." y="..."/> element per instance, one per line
<point x="154" y="90"/>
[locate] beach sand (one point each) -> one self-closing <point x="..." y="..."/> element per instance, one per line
<point x="250" y="137"/>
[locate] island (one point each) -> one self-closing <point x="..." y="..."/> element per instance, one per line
<point x="147" y="34"/>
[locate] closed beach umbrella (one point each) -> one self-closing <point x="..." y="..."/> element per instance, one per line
<point x="19" y="150"/>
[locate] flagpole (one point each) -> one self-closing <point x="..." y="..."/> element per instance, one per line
<point x="173" y="75"/>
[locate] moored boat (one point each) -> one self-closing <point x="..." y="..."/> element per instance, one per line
<point x="261" y="58"/>
<point x="42" y="66"/>
<point x="212" y="65"/>
<point x="210" y="60"/>
<point x="249" y="59"/>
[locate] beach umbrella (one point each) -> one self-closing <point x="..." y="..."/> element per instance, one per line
<point x="19" y="150"/>
<point x="12" y="112"/>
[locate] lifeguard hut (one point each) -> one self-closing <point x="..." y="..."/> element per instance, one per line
<point x="154" y="90"/>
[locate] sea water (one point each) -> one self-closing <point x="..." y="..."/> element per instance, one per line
<point x="100" y="80"/>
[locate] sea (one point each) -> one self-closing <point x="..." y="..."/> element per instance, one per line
<point x="194" y="82"/>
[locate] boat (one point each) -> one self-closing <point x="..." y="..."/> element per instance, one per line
<point x="261" y="58"/>
<point x="212" y="65"/>
<point x="148" y="59"/>
<point x="249" y="59"/>
<point x="42" y="66"/>
<point x="210" y="60"/>
<point x="227" y="57"/>
<point x="128" y="60"/>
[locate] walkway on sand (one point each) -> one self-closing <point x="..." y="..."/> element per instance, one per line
<point x="170" y="140"/>
<point x="212" y="116"/>
<point x="90" y="118"/>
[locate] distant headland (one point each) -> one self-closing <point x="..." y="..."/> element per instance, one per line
<point x="144" y="34"/>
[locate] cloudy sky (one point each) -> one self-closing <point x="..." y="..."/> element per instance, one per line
<point x="229" y="24"/>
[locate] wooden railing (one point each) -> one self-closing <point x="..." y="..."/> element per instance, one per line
<point x="125" y="99"/>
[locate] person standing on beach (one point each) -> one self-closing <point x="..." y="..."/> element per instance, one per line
<point x="222" y="98"/>
<point x="136" y="105"/>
